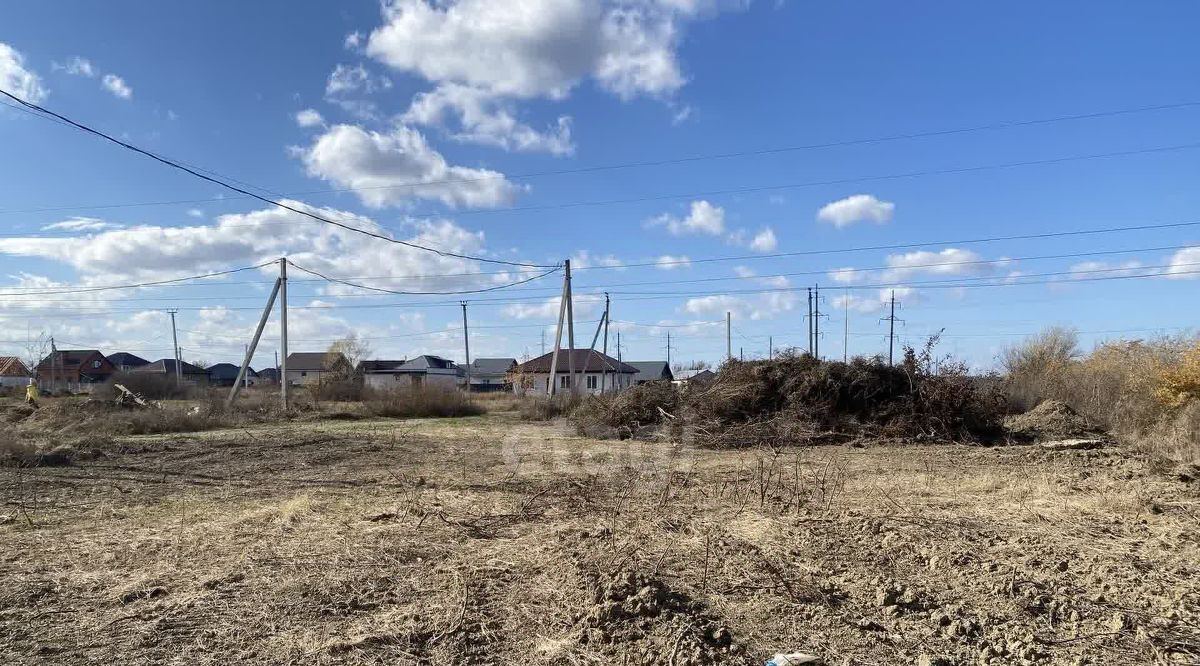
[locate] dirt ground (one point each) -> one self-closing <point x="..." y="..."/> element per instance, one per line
<point x="487" y="540"/>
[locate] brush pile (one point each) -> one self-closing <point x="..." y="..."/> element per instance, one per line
<point x="635" y="413"/>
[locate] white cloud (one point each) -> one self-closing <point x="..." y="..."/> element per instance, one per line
<point x="669" y="262"/>
<point x="397" y="166"/>
<point x="1184" y="264"/>
<point x="950" y="261"/>
<point x="1104" y="269"/>
<point x="703" y="218"/>
<point x="77" y="66"/>
<point x="309" y="118"/>
<point x="848" y="275"/>
<point x="345" y="79"/>
<point x="353" y="40"/>
<point x="876" y="302"/>
<point x="768" y="305"/>
<point x="155" y="252"/>
<point x="857" y="208"/>
<point x="744" y="271"/>
<point x="716" y="304"/>
<point x="18" y="80"/>
<point x="195" y="212"/>
<point x="536" y="48"/>
<point x="764" y="241"/>
<point x="81" y="224"/>
<point x="583" y="307"/>
<point x="481" y="118"/>
<point x="584" y="259"/>
<point x="117" y="86"/>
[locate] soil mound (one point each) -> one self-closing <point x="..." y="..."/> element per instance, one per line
<point x="1050" y="420"/>
<point x="665" y="626"/>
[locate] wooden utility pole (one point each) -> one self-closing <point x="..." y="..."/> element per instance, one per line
<point x="175" y="341"/>
<point x="466" y="345"/>
<point x="283" y="341"/>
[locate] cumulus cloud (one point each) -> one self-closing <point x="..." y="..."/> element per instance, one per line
<point x="583" y="307"/>
<point x="1184" y="264"/>
<point x="536" y="48"/>
<point x="155" y="252"/>
<point x="389" y="168"/>
<point x="780" y="299"/>
<point x="476" y="116"/>
<point x="1104" y="268"/>
<point x="856" y="208"/>
<point x="309" y="118"/>
<point x="950" y="261"/>
<point x="584" y="259"/>
<point x="17" y="79"/>
<point x="874" y="302"/>
<point x="669" y="262"/>
<point x="117" y="86"/>
<point x="703" y="218"/>
<point x="847" y="275"/>
<point x="764" y="241"/>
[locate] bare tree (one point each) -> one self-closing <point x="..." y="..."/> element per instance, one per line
<point x="352" y="349"/>
<point x="36" y="348"/>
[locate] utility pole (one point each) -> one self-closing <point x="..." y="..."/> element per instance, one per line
<point x="604" y="375"/>
<point x="571" y="331"/>
<point x="810" y="322"/>
<point x="770" y="348"/>
<point x="283" y="380"/>
<point x="728" y="335"/>
<point x="891" y="320"/>
<point x="741" y="354"/>
<point x="668" y="347"/>
<point x="175" y="342"/>
<point x="543" y="342"/>
<point x="262" y="323"/>
<point x="247" y="384"/>
<point x="466" y="345"/>
<point x="562" y="314"/>
<point x="817" y="322"/>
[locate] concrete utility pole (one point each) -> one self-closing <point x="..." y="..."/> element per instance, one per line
<point x="668" y="347"/>
<point x="262" y="323"/>
<point x="467" y="345"/>
<point x="770" y="348"/>
<point x="571" y="332"/>
<point x="175" y="341"/>
<point x="604" y="375"/>
<point x="543" y="342"/>
<point x="728" y="334"/>
<point x="247" y="384"/>
<point x="283" y="381"/>
<point x="846" y="328"/>
<point x="562" y="314"/>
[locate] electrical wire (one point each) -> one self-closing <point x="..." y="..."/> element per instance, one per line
<point x="140" y="285"/>
<point x="1003" y="125"/>
<point x="240" y="190"/>
<point x="424" y="293"/>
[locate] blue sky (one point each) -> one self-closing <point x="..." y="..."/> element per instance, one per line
<point x="471" y="97"/>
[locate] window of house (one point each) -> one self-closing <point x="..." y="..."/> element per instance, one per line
<point x="591" y="381"/>
<point x="303" y="374"/>
<point x="95" y="364"/>
<point x="564" y="381"/>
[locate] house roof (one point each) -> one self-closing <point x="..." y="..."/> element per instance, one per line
<point x="127" y="360"/>
<point x="586" y="360"/>
<point x="427" y="362"/>
<point x="313" y="361"/>
<point x="228" y="371"/>
<point x="651" y="370"/>
<point x="268" y="374"/>
<point x="166" y="366"/>
<point x="69" y="359"/>
<point x="11" y="366"/>
<point x="492" y="366"/>
<point x="688" y="375"/>
<point x="378" y="365"/>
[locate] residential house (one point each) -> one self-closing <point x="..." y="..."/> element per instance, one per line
<point x="13" y="372"/>
<point x="126" y="362"/>
<point x="591" y="367"/>
<point x="165" y="367"/>
<point x="424" y="370"/>
<point x="268" y="376"/>
<point x="702" y="377"/>
<point x="73" y="370"/>
<point x="652" y="371"/>
<point x="491" y="374"/>
<point x="225" y="374"/>
<point x="315" y="367"/>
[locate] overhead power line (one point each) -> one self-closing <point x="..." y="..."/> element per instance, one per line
<point x="227" y="185"/>
<point x="1002" y="125"/>
<point x="423" y="293"/>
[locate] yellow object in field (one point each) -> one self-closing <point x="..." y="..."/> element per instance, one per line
<point x="31" y="392"/>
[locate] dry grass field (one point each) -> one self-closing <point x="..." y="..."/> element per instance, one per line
<point x="489" y="540"/>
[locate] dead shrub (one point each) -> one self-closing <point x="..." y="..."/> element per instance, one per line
<point x="422" y="403"/>
<point x="149" y="386"/>
<point x="799" y="399"/>
<point x="634" y="413"/>
<point x="546" y="408"/>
